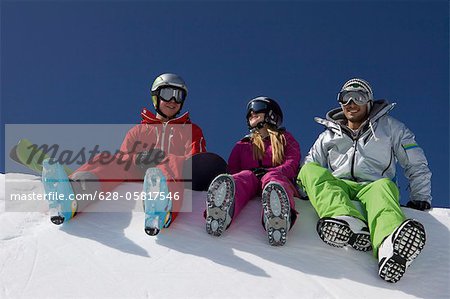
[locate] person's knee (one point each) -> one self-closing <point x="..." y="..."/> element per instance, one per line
<point x="384" y="182"/>
<point x="387" y="187"/>
<point x="83" y="176"/>
<point x="84" y="182"/>
<point x="307" y="170"/>
<point x="274" y="176"/>
<point x="244" y="175"/>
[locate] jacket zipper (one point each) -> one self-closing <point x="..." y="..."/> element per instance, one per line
<point x="355" y="143"/>
<point x="390" y="162"/>
<point x="170" y="140"/>
<point x="163" y="135"/>
<point x="355" y="147"/>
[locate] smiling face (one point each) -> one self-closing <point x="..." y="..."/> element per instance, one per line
<point x="169" y="108"/>
<point x="255" y="118"/>
<point x="355" y="114"/>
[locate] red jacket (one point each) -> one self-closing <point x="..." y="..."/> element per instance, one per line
<point x="178" y="138"/>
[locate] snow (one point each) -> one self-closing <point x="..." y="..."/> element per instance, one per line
<point x="108" y="255"/>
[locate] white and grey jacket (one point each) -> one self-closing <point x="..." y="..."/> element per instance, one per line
<point x="372" y="151"/>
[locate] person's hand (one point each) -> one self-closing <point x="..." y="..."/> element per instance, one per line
<point x="149" y="159"/>
<point x="418" y="205"/>
<point x="259" y="172"/>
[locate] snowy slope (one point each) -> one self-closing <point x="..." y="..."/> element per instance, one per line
<point x="108" y="255"/>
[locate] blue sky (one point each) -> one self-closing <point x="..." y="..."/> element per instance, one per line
<point x="93" y="62"/>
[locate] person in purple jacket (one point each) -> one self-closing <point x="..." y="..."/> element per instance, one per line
<point x="267" y="159"/>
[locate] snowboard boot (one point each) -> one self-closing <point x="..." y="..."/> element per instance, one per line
<point x="340" y="231"/>
<point x="157" y="202"/>
<point x="399" y="249"/>
<point x="276" y="210"/>
<point x="219" y="204"/>
<point x="58" y="192"/>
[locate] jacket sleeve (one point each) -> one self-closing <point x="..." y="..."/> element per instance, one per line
<point x="234" y="161"/>
<point x="412" y="159"/>
<point x="292" y="156"/>
<point x="318" y="153"/>
<point x="130" y="142"/>
<point x="198" y="143"/>
<point x="130" y="145"/>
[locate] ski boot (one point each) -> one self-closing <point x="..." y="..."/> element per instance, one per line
<point x="276" y="209"/>
<point x="157" y="204"/>
<point x="340" y="231"/>
<point x="58" y="192"/>
<point x="399" y="249"/>
<point x="219" y="204"/>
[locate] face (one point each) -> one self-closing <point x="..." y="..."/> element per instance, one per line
<point x="355" y="113"/>
<point x="255" y="118"/>
<point x="169" y="108"/>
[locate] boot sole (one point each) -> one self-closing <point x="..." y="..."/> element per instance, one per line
<point x="408" y="243"/>
<point x="337" y="233"/>
<point x="276" y="225"/>
<point x="217" y="208"/>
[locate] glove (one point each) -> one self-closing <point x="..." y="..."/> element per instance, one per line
<point x="148" y="159"/>
<point x="418" y="205"/>
<point x="259" y="172"/>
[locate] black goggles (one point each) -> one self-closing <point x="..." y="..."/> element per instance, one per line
<point x="257" y="107"/>
<point x="359" y="97"/>
<point x="168" y="93"/>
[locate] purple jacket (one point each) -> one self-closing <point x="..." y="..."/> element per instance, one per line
<point x="241" y="157"/>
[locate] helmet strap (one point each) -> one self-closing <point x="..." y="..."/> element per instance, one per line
<point x="258" y="126"/>
<point x="159" y="110"/>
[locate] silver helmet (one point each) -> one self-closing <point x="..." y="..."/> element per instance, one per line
<point x="167" y="80"/>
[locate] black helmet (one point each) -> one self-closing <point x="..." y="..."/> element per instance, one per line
<point x="273" y="114"/>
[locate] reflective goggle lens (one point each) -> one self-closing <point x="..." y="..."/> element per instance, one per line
<point x="168" y="93"/>
<point x="358" y="97"/>
<point x="256" y="107"/>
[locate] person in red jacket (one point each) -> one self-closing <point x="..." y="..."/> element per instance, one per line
<point x="162" y="141"/>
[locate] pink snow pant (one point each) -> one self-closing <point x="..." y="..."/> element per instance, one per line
<point x="249" y="186"/>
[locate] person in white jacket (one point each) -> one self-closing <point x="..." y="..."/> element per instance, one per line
<point x="355" y="159"/>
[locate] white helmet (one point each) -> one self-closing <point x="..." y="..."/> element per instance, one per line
<point x="167" y="80"/>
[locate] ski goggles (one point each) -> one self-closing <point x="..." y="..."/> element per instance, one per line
<point x="168" y="93"/>
<point x="257" y="107"/>
<point x="359" y="97"/>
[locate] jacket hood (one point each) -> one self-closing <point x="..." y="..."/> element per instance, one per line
<point x="335" y="118"/>
<point x="150" y="118"/>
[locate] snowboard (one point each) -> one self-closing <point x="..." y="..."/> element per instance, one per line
<point x="29" y="155"/>
<point x="204" y="167"/>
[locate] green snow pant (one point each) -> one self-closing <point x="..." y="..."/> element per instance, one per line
<point x="332" y="197"/>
